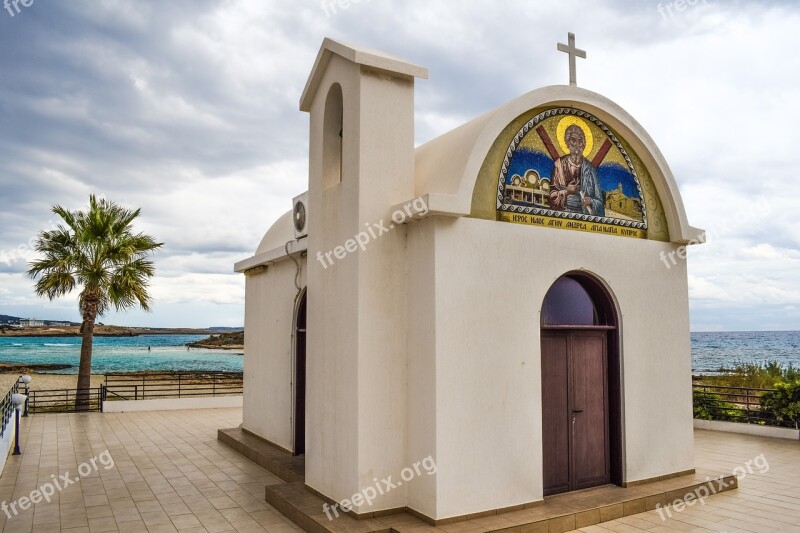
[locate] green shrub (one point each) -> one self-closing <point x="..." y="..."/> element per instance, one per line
<point x="754" y="375"/>
<point x="784" y="402"/>
<point x="708" y="406"/>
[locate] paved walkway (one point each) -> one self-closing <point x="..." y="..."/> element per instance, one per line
<point x="170" y="474"/>
<point x="765" y="502"/>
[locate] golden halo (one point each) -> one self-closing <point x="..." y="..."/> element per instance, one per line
<point x="562" y="128"/>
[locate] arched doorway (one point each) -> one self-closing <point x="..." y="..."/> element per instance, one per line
<point x="581" y="400"/>
<point x="300" y="376"/>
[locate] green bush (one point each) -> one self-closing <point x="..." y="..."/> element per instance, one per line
<point x="784" y="402"/>
<point x="708" y="406"/>
<point x="754" y="375"/>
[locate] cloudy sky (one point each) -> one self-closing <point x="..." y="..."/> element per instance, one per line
<point x="189" y="110"/>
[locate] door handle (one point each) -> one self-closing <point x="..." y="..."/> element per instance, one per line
<point x="576" y="411"/>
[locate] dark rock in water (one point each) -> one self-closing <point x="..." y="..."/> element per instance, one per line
<point x="226" y="341"/>
<point x="23" y="368"/>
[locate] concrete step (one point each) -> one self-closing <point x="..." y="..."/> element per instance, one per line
<point x="286" y="466"/>
<point x="563" y="512"/>
<point x="307" y="510"/>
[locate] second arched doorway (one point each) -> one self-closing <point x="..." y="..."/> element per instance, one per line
<point x="581" y="402"/>
<point x="300" y="376"/>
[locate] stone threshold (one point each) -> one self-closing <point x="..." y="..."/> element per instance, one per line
<point x="563" y="512"/>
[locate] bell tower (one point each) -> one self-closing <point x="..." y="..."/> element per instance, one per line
<point x="361" y="162"/>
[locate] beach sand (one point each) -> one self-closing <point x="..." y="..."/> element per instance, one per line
<point x="47" y="381"/>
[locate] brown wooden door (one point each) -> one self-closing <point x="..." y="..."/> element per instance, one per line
<point x="556" y="414"/>
<point x="574" y="410"/>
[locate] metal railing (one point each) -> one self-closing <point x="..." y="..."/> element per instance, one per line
<point x="63" y="401"/>
<point x="7" y="408"/>
<point x="129" y="386"/>
<point x="733" y="404"/>
<point x="150" y="385"/>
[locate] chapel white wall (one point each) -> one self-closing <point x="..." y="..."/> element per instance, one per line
<point x="490" y="282"/>
<point x="268" y="352"/>
<point x="422" y="356"/>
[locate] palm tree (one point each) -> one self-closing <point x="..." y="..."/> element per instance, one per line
<point x="98" y="253"/>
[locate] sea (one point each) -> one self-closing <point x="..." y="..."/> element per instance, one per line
<point x="121" y="354"/>
<point x="710" y="352"/>
<point x="713" y="351"/>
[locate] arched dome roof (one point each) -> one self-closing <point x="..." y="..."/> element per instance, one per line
<point x="448" y="167"/>
<point x="281" y="232"/>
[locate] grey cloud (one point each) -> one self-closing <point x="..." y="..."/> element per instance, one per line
<point x="188" y="109"/>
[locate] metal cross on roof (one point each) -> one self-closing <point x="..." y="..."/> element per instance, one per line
<point x="573" y="53"/>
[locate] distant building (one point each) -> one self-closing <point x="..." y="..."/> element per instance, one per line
<point x="60" y="324"/>
<point x="619" y="202"/>
<point x="530" y="190"/>
<point x="30" y="323"/>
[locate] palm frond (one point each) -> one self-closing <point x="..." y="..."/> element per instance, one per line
<point x="97" y="251"/>
<point x="55" y="284"/>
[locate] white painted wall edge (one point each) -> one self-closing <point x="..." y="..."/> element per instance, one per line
<point x="6" y="443"/>
<point x="170" y="404"/>
<point x="748" y="429"/>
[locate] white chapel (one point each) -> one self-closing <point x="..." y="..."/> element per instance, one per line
<point x="509" y="299"/>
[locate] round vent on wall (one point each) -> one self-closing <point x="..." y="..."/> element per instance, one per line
<point x="299" y="216"/>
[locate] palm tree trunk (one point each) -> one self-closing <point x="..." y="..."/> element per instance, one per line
<point x="82" y="397"/>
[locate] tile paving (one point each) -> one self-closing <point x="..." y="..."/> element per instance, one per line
<point x="171" y="474"/>
<point x="765" y="502"/>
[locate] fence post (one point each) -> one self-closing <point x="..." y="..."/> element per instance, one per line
<point x="179" y="385"/>
<point x="747" y="398"/>
<point x="214" y="385"/>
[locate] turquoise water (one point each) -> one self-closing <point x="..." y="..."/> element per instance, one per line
<point x="120" y="354"/>
<point x="711" y="351"/>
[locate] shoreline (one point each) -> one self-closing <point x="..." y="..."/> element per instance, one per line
<point x="223" y="347"/>
<point x="47" y="381"/>
<point x="121" y="333"/>
<point x="78" y="335"/>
